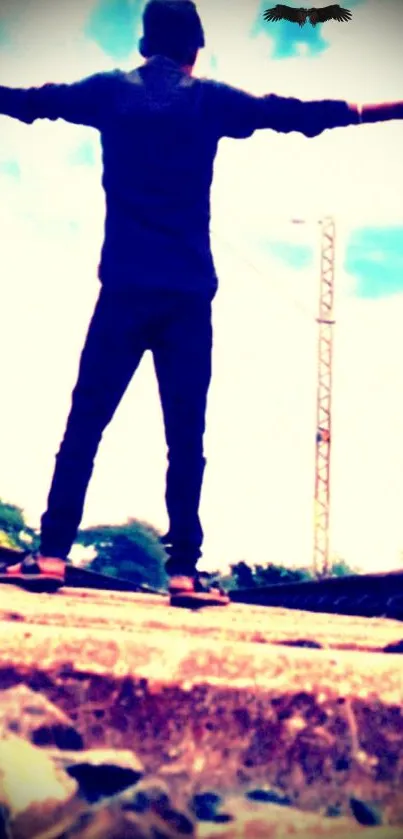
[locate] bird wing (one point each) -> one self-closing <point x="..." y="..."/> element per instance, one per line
<point x="281" y="12"/>
<point x="334" y="12"/>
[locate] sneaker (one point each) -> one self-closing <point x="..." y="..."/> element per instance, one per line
<point x="180" y="583"/>
<point x="35" y="573"/>
<point x="195" y="594"/>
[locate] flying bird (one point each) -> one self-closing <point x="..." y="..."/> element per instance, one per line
<point x="280" y="12"/>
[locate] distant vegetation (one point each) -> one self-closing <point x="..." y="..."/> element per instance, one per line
<point x="14" y="532"/>
<point x="133" y="551"/>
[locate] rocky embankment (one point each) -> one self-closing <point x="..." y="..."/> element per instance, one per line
<point x="121" y="718"/>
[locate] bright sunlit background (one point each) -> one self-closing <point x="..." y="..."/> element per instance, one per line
<point x="258" y="495"/>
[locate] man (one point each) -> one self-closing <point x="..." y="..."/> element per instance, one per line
<point x="160" y="129"/>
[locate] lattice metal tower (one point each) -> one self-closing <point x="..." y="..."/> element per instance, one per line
<point x="326" y="322"/>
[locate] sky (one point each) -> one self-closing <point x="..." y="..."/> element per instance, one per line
<point x="257" y="502"/>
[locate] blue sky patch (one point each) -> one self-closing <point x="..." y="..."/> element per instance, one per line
<point x="375" y="258"/>
<point x="3" y="34"/>
<point x="10" y="167"/>
<point x="297" y="256"/>
<point x="115" y="26"/>
<point x="83" y="154"/>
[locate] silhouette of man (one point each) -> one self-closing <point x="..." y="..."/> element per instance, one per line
<point x="160" y="127"/>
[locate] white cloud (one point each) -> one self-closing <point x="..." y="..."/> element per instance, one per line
<point x="258" y="494"/>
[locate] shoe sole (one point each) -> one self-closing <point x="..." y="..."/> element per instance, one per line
<point x="197" y="600"/>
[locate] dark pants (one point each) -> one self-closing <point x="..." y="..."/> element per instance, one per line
<point x="176" y="327"/>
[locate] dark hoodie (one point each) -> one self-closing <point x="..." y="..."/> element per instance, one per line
<point x="160" y="130"/>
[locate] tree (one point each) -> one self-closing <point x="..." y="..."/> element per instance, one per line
<point x="340" y="568"/>
<point x="247" y="576"/>
<point x="14" y="532"/>
<point x="132" y="551"/>
<point x="243" y="575"/>
<point x="271" y="574"/>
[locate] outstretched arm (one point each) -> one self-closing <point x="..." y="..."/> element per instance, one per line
<point x="82" y="103"/>
<point x="382" y="112"/>
<point x="239" y="114"/>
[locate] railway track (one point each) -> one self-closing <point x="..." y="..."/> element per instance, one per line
<point x="364" y="595"/>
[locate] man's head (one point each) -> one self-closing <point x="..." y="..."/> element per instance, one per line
<point x="172" y="28"/>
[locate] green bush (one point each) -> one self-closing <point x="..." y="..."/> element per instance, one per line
<point x="132" y="551"/>
<point x="14" y="532"/>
